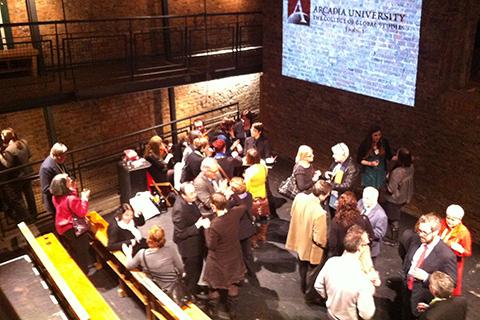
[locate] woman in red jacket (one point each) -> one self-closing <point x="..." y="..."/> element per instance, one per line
<point x="67" y="205"/>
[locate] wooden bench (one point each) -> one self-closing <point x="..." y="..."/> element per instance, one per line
<point x="78" y="294"/>
<point x="157" y="303"/>
<point x="25" y="53"/>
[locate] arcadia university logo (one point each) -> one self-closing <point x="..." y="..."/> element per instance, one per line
<point x="298" y="12"/>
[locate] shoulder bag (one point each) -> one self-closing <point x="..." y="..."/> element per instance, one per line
<point x="178" y="292"/>
<point x="288" y="188"/>
<point x="80" y="224"/>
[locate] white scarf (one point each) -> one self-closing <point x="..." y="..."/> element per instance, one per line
<point x="132" y="228"/>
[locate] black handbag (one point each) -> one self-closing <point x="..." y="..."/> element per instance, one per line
<point x="178" y="291"/>
<point x="80" y="224"/>
<point x="288" y="188"/>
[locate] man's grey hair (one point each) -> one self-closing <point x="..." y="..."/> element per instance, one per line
<point x="209" y="164"/>
<point x="58" y="149"/>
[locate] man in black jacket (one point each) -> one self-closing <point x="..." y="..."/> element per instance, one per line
<point x="258" y="141"/>
<point x="188" y="234"/>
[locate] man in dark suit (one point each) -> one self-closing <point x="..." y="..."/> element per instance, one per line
<point x="443" y="306"/>
<point x="51" y="166"/>
<point x="421" y="260"/>
<point x="193" y="161"/>
<point x="188" y="234"/>
<point x="258" y="141"/>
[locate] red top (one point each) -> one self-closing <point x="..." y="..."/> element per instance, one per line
<point x="65" y="207"/>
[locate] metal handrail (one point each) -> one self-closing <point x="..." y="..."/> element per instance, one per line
<point x="79" y="165"/>
<point x="198" y="15"/>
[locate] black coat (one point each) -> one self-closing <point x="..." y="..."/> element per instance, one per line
<point x="190" y="240"/>
<point x="247" y="224"/>
<point x="451" y="308"/>
<point x="349" y="176"/>
<point x="158" y="169"/>
<point x="192" y="166"/>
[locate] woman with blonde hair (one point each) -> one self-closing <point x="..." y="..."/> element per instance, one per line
<point x="158" y="155"/>
<point x="303" y="176"/>
<point x="160" y="262"/>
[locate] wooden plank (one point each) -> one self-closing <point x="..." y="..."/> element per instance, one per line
<point x="83" y="289"/>
<point x="22" y="52"/>
<point x="65" y="290"/>
<point x="99" y="230"/>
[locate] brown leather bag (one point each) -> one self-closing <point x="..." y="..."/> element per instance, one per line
<point x="260" y="207"/>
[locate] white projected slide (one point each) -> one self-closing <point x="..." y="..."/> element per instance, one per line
<point x="368" y="47"/>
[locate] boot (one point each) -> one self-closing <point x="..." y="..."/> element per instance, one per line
<point x="262" y="232"/>
<point x="212" y="307"/>
<point x="254" y="241"/>
<point x="232" y="305"/>
<point x="393" y="240"/>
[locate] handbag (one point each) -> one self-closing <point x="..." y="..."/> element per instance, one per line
<point x="288" y="188"/>
<point x="80" y="224"/>
<point x="260" y="207"/>
<point x="178" y="291"/>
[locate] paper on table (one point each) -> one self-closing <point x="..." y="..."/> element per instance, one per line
<point x="142" y="203"/>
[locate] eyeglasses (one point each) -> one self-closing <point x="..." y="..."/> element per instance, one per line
<point x="425" y="233"/>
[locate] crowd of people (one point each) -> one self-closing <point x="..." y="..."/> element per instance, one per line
<point x="224" y="206"/>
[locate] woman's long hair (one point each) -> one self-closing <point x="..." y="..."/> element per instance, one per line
<point x="156" y="148"/>
<point x="367" y="145"/>
<point x="347" y="211"/>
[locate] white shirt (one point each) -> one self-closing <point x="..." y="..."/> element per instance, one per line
<point x="348" y="291"/>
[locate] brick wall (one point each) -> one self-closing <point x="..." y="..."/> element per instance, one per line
<point x="83" y="123"/>
<point x="441" y="130"/>
<point x="200" y="97"/>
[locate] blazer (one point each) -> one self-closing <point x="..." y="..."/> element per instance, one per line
<point x="191" y="169"/>
<point x="441" y="258"/>
<point x="307" y="234"/>
<point x="205" y="189"/>
<point x="190" y="240"/>
<point x="379" y="221"/>
<point x="247" y="222"/>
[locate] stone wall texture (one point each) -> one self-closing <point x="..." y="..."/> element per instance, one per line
<point x="441" y="130"/>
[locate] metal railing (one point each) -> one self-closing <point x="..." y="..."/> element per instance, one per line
<point x="78" y="56"/>
<point x="95" y="165"/>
